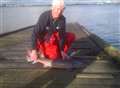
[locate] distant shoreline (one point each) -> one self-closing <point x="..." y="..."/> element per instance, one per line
<point x="14" y="5"/>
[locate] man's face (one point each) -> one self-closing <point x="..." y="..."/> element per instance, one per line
<point x="57" y="11"/>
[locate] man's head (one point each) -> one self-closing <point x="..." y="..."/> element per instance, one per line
<point x="57" y="8"/>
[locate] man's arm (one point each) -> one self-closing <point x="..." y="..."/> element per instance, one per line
<point x="63" y="39"/>
<point x="62" y="34"/>
<point x="39" y="29"/>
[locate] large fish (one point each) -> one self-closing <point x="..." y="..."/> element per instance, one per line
<point x="72" y="63"/>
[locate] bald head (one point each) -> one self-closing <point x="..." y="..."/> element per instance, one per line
<point x="57" y="8"/>
<point x="58" y="3"/>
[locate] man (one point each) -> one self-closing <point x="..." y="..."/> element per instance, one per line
<point x="49" y="37"/>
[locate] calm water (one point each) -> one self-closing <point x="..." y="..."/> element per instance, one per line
<point x="103" y="20"/>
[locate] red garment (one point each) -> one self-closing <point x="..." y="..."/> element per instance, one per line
<point x="51" y="49"/>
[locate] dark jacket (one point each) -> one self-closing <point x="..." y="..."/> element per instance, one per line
<point x="46" y="25"/>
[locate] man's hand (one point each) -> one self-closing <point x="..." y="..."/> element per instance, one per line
<point x="34" y="55"/>
<point x="64" y="55"/>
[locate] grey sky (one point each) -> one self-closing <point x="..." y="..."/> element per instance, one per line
<point x="67" y="1"/>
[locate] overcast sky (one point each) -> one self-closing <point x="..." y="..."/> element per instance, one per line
<point x="28" y="1"/>
<point x="51" y="0"/>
